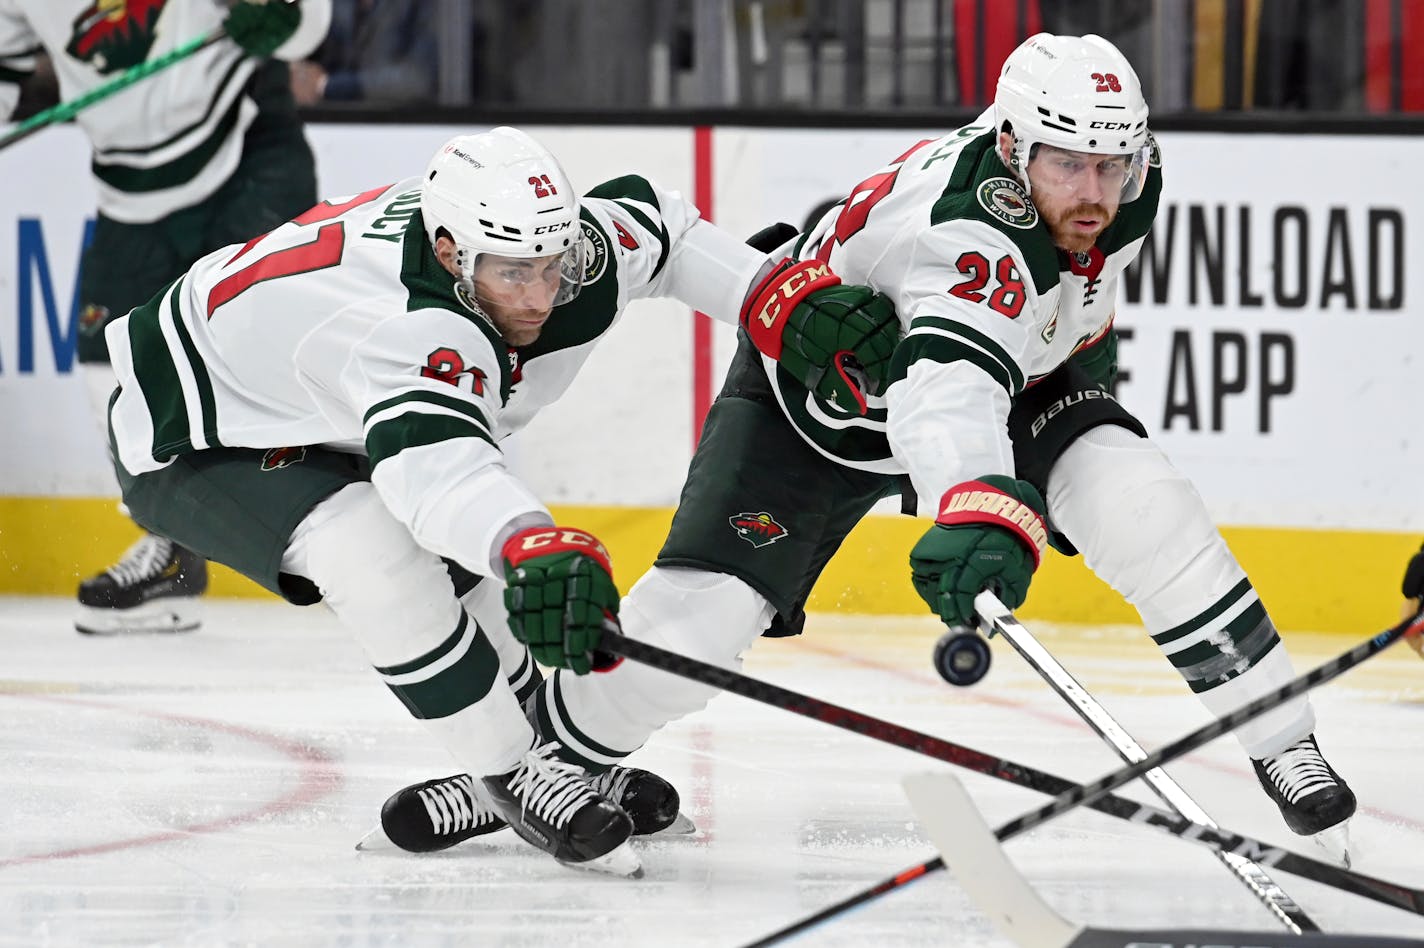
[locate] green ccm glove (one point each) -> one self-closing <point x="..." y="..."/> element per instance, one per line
<point x="559" y="592"/>
<point x="260" y="26"/>
<point x="989" y="534"/>
<point x="835" y="338"/>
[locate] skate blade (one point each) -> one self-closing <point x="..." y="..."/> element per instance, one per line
<point x="682" y="826"/>
<point x="147" y="619"/>
<point x="1335" y="842"/>
<point x="377" y="841"/>
<point x="619" y="861"/>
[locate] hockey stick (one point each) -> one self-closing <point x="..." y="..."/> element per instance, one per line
<point x="1402" y="897"/>
<point x="972" y="852"/>
<point x="65" y="111"/>
<point x="1337" y="666"/>
<point x="998" y="618"/>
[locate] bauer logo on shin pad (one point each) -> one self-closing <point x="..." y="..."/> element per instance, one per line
<point x="1060" y="405"/>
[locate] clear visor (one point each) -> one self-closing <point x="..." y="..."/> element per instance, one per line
<point x="1088" y="177"/>
<point x="529" y="282"/>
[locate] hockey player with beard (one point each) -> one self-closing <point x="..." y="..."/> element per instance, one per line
<point x="1001" y="244"/>
<point x="321" y="408"/>
<point x="205" y="153"/>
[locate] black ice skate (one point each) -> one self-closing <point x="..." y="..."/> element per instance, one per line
<point x="550" y="805"/>
<point x="152" y="588"/>
<point x="437" y="814"/>
<point x="649" y="800"/>
<point x="1313" y="799"/>
<point x="434" y="815"/>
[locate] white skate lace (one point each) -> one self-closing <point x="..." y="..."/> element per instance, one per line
<point x="144" y="560"/>
<point x="1299" y="771"/>
<point x="453" y="806"/>
<point x="552" y="788"/>
<point x="611" y="783"/>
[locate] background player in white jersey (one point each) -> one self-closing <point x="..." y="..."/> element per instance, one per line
<point x="321" y="408"/>
<point x="205" y="153"/>
<point x="1001" y="245"/>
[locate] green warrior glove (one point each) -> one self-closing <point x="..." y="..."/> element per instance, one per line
<point x="260" y="26"/>
<point x="559" y="592"/>
<point x="835" y="338"/>
<point x="989" y="534"/>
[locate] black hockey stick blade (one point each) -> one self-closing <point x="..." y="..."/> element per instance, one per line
<point x="1389" y="893"/>
<point x="971" y="851"/>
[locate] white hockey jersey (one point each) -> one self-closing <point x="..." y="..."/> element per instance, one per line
<point x="342" y="329"/>
<point x="987" y="302"/>
<point x="167" y="141"/>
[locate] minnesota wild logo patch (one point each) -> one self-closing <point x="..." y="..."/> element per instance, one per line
<point x="114" y="34"/>
<point x="758" y="529"/>
<point x="1006" y="199"/>
<point x="595" y="253"/>
<point x="277" y="458"/>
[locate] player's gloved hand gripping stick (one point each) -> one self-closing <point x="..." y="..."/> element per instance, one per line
<point x="989" y="534"/>
<point x="559" y="593"/>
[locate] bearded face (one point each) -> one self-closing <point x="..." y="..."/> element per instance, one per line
<point x="1077" y="193"/>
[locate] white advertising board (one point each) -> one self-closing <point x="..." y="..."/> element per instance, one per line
<point x="1270" y="337"/>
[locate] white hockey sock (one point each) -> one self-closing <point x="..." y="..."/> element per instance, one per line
<point x="1143" y="528"/>
<point x="397" y="598"/>
<point x="712" y="617"/>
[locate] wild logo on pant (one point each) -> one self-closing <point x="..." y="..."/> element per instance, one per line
<point x="278" y="458"/>
<point x="758" y="529"/>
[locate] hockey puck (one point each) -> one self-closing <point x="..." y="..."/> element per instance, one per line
<point x="962" y="658"/>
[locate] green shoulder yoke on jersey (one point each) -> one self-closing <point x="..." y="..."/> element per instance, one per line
<point x="430" y="286"/>
<point x="980" y="188"/>
<point x="588" y="315"/>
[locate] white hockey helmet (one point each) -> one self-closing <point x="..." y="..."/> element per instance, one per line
<point x="1078" y="93"/>
<point x="501" y="192"/>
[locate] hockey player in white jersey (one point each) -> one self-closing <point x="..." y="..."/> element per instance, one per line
<point x="1002" y="244"/>
<point x="207" y="152"/>
<point x="321" y="408"/>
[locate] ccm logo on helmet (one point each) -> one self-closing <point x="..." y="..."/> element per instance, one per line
<point x="551" y="228"/>
<point x="1111" y="126"/>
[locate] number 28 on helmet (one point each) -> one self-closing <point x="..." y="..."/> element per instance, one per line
<point x="1074" y="94"/>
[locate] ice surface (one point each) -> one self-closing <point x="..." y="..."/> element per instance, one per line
<point x="209" y="788"/>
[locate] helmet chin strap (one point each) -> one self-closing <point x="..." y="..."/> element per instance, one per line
<point x="465" y="284"/>
<point x="1020" y="173"/>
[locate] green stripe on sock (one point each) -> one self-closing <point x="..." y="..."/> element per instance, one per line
<point x="1197" y="622"/>
<point x="432" y="656"/>
<point x="456" y="688"/>
<point x="1205" y="665"/>
<point x="568" y="723"/>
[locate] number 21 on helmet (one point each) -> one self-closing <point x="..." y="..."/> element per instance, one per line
<point x="501" y="192"/>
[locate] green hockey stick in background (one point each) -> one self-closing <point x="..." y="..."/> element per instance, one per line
<point x="65" y="111"/>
